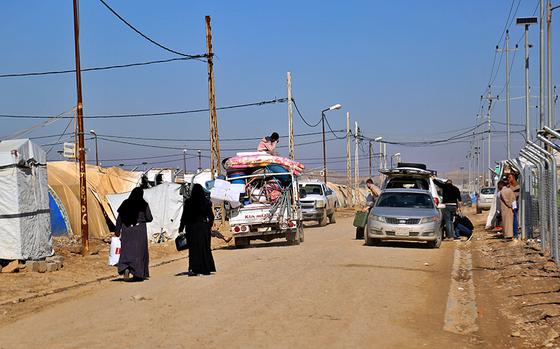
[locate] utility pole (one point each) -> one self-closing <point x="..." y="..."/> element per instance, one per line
<point x="490" y="99"/>
<point x="356" y="158"/>
<point x="81" y="146"/>
<point x="541" y="68"/>
<point x="370" y="163"/>
<point x="215" y="165"/>
<point x="384" y="155"/>
<point x="324" y="149"/>
<point x="508" y="122"/>
<point x="348" y="158"/>
<point x="199" y="161"/>
<point x="291" y="146"/>
<point x="185" y="162"/>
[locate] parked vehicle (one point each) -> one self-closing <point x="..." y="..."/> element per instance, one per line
<point x="267" y="221"/>
<point x="467" y="200"/>
<point x="318" y="202"/>
<point x="404" y="214"/>
<point x="485" y="199"/>
<point x="412" y="178"/>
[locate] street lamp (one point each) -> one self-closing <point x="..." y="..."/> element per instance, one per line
<point x="185" y="161"/>
<point x="394" y="156"/>
<point x="199" y="161"/>
<point x="333" y="107"/>
<point x="526" y="21"/>
<point x="96" y="148"/>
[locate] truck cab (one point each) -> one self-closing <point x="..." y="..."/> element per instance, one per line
<point x="318" y="202"/>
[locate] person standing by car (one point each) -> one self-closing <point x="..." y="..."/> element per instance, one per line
<point x="372" y="195"/>
<point x="451" y="200"/>
<point x="514" y="186"/>
<point x="197" y="220"/>
<point x="133" y="215"/>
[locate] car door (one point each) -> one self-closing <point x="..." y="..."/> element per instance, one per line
<point x="329" y="194"/>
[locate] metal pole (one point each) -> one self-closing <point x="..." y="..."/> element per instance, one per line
<point x="185" y="161"/>
<point x="549" y="61"/>
<point x="348" y="158"/>
<point x="81" y="146"/>
<point x="356" y="158"/>
<point x="291" y="145"/>
<point x="508" y="126"/>
<point x="541" y="67"/>
<point x="324" y="149"/>
<point x="489" y="143"/>
<point x="96" y="152"/>
<point x="385" y="155"/>
<point x="527" y="112"/>
<point x="199" y="160"/>
<point x="370" y="163"/>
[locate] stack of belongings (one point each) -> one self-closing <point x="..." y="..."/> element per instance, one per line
<point x="244" y="190"/>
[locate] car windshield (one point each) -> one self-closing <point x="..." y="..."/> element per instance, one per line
<point x="311" y="189"/>
<point x="407" y="183"/>
<point x="487" y="191"/>
<point x="405" y="200"/>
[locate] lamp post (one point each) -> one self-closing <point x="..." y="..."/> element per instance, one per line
<point x="199" y="161"/>
<point x="96" y="147"/>
<point x="333" y="107"/>
<point x="185" y="162"/>
<point x="396" y="155"/>
<point x="526" y="21"/>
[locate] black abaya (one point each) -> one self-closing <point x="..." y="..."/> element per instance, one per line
<point x="134" y="245"/>
<point x="197" y="221"/>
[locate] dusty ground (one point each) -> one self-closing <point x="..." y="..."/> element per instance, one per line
<point x="522" y="283"/>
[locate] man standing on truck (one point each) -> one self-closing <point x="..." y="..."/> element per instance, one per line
<point x="451" y="200"/>
<point x="268" y="144"/>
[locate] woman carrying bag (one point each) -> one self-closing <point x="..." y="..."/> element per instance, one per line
<point x="197" y="220"/>
<point x="133" y="215"/>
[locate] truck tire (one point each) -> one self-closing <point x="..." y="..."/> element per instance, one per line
<point x="241" y="242"/>
<point x="324" y="220"/>
<point x="332" y="218"/>
<point x="359" y="233"/>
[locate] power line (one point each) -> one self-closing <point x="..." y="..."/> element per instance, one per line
<point x="108" y="67"/>
<point x="142" y="115"/>
<point x="302" y="118"/>
<point x="146" y="37"/>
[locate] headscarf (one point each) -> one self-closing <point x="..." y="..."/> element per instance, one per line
<point x="197" y="205"/>
<point x="131" y="207"/>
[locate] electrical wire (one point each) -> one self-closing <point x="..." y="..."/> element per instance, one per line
<point x="331" y="130"/>
<point x="303" y="119"/>
<point x="145" y="36"/>
<point x="143" y="115"/>
<point x="108" y="67"/>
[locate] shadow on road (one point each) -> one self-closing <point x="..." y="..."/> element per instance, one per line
<point x="401" y="244"/>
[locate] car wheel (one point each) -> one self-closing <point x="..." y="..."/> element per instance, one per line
<point x="324" y="220"/>
<point x="332" y="218"/>
<point x="359" y="233"/>
<point x="436" y="243"/>
<point x="301" y="233"/>
<point x="292" y="237"/>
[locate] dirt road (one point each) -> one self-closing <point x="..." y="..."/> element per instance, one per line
<point x="330" y="291"/>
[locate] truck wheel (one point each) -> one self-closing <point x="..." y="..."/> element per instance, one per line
<point x="324" y="220"/>
<point x="332" y="218"/>
<point x="241" y="242"/>
<point x="359" y="233"/>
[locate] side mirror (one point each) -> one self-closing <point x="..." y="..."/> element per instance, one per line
<point x="329" y="192"/>
<point x="302" y="194"/>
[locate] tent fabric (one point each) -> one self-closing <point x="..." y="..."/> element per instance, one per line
<point x="24" y="203"/>
<point x="21" y="152"/>
<point x="64" y="181"/>
<point x="343" y="195"/>
<point x="166" y="205"/>
<point x="59" y="224"/>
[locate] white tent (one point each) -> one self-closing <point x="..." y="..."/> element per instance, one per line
<point x="166" y="205"/>
<point x="24" y="201"/>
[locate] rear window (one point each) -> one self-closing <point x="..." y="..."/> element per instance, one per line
<point x="405" y="200"/>
<point x="487" y="190"/>
<point x="408" y="183"/>
<point x="311" y="189"/>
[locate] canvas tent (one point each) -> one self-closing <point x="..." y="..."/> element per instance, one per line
<point x="166" y="205"/>
<point x="24" y="201"/>
<point x="64" y="180"/>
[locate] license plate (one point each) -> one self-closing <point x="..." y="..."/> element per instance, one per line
<point x="401" y="232"/>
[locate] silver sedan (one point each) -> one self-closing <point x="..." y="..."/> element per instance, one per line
<point x="405" y="214"/>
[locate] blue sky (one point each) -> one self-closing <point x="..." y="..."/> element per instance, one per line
<point x="405" y="70"/>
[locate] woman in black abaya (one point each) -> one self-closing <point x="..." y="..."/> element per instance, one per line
<point x="133" y="215"/>
<point x="197" y="220"/>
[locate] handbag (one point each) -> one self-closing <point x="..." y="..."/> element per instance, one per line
<point x="181" y="242"/>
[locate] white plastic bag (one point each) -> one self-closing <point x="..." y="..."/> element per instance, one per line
<point x="115" y="251"/>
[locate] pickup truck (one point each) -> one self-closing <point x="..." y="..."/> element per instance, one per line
<point x="267" y="221"/>
<point x="318" y="202"/>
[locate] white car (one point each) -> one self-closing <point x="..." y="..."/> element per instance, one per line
<point x="318" y="202"/>
<point x="485" y="199"/>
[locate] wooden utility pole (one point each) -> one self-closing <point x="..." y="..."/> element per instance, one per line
<point x="291" y="143"/>
<point x="349" y="159"/>
<point x="370" y="163"/>
<point x="215" y="161"/>
<point x="81" y="145"/>
<point x="356" y="159"/>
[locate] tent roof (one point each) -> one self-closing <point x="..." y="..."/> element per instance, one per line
<point x="17" y="151"/>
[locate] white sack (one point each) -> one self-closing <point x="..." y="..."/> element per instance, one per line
<point x="115" y="251"/>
